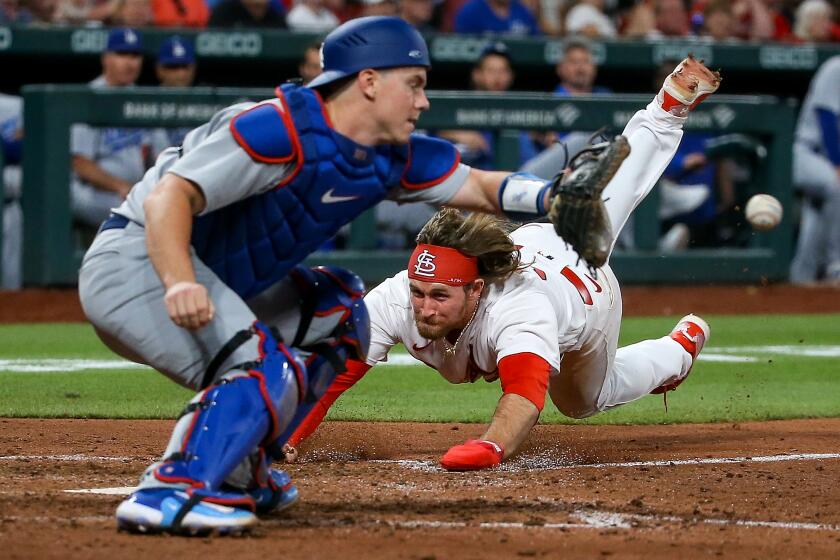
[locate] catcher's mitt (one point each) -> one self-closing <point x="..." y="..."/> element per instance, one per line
<point x="576" y="209"/>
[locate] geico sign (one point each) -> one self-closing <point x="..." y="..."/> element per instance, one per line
<point x="5" y="38"/>
<point x="804" y="58"/>
<point x="229" y="44"/>
<point x="88" y="40"/>
<point x="457" y="49"/>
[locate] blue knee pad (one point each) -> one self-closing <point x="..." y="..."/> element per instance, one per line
<point x="244" y="411"/>
<point x="325" y="292"/>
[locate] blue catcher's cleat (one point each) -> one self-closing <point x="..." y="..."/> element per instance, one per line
<point x="156" y="510"/>
<point x="281" y="493"/>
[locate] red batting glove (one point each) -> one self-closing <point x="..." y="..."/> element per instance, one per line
<point x="474" y="455"/>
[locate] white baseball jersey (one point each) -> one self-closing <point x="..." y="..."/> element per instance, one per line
<point x="546" y="309"/>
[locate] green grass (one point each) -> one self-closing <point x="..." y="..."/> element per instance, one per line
<point x="775" y="386"/>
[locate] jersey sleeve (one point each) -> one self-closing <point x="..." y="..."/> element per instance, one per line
<point x="386" y="306"/>
<point x="827" y="85"/>
<point x="526" y="375"/>
<point x="83" y="141"/>
<point x="433" y="173"/>
<point x="225" y="172"/>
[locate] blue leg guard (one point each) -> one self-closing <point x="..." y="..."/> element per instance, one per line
<point x="226" y="422"/>
<point x="326" y="291"/>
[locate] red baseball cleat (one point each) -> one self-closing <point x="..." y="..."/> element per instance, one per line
<point x="689" y="84"/>
<point x="691" y="332"/>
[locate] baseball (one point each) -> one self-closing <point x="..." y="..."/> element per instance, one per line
<point x="764" y="212"/>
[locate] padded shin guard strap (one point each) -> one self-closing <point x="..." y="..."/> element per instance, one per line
<point x="223" y="354"/>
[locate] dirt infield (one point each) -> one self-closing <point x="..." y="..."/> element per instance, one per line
<point x="752" y="490"/>
<point x="63" y="305"/>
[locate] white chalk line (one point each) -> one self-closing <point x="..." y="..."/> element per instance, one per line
<point x="427" y="465"/>
<point x="521" y="465"/>
<point x="113" y="491"/>
<point x="586" y="519"/>
<point x="430" y="466"/>
<point x="744" y="354"/>
<point x="69" y="458"/>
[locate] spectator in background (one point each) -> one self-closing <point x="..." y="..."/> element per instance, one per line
<point x="40" y="12"/>
<point x="492" y="73"/>
<point x="418" y="13"/>
<point x="175" y="67"/>
<point x="108" y="161"/>
<point x="576" y="70"/>
<point x="180" y="13"/>
<point x="719" y="22"/>
<point x="816" y="174"/>
<point x="312" y="16"/>
<point x="502" y="17"/>
<point x="379" y="8"/>
<point x="671" y="19"/>
<point x="132" y="13"/>
<point x="73" y="12"/>
<point x="11" y="143"/>
<point x="246" y="13"/>
<point x="814" y="22"/>
<point x="10" y="13"/>
<point x="757" y="20"/>
<point x="587" y="17"/>
<point x="655" y="19"/>
<point x="83" y="11"/>
<point x="310" y="65"/>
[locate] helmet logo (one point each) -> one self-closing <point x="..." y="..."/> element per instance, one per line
<point x="415" y="54"/>
<point x="425" y="265"/>
<point x="321" y="56"/>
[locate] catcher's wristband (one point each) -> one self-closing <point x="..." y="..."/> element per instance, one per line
<point x="522" y="197"/>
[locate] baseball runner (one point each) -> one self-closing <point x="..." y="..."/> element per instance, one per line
<point x="476" y="302"/>
<point x="197" y="273"/>
<point x="816" y="172"/>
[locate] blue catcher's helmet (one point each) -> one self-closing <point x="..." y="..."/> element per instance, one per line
<point x="370" y="42"/>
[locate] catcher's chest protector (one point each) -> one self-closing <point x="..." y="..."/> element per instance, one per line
<point x="254" y="243"/>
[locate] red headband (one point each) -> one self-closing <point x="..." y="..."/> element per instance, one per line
<point x="431" y="263"/>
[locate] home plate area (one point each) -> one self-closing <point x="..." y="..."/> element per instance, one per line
<point x="374" y="490"/>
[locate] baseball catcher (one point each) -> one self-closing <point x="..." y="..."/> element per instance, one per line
<point x="197" y="273"/>
<point x="478" y="302"/>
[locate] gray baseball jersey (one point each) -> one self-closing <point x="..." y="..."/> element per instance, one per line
<point x="814" y="174"/>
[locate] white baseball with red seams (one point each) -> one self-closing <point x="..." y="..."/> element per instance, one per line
<point x="763" y="212"/>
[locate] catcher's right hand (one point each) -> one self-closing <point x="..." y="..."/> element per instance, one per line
<point x="576" y="208"/>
